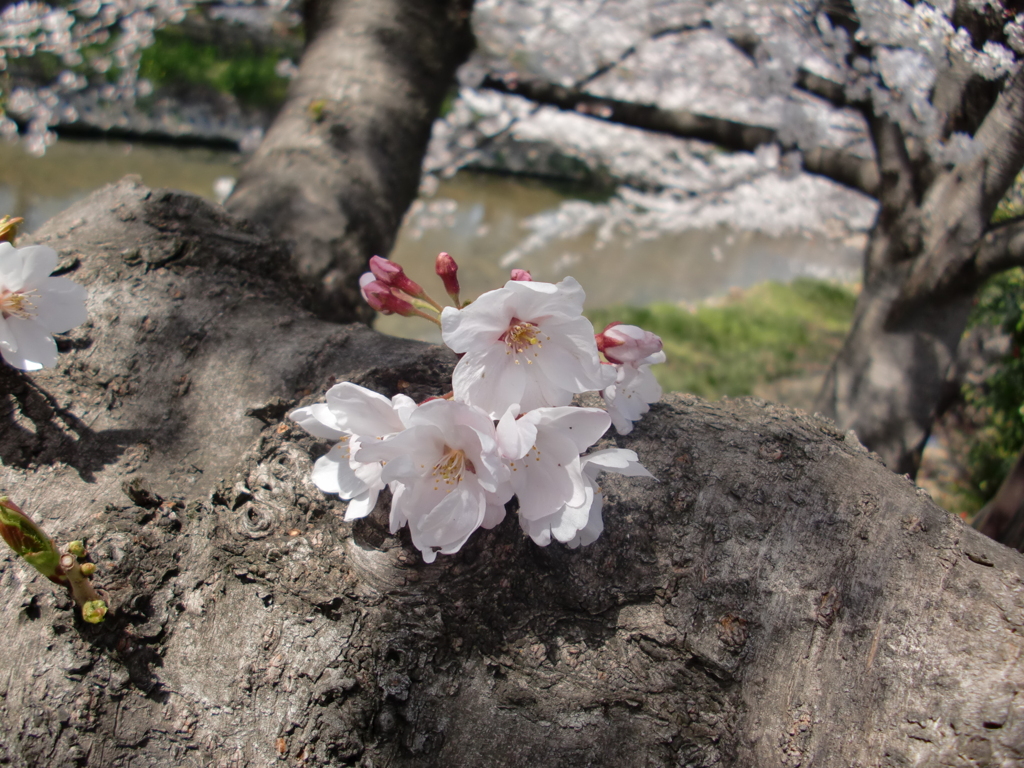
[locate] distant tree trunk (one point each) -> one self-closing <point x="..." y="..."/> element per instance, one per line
<point x="1002" y="517"/>
<point x="341" y="162"/>
<point x="776" y="598"/>
<point x="931" y="249"/>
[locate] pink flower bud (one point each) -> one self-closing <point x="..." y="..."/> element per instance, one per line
<point x="521" y="276"/>
<point x="393" y="276"/>
<point x="448" y="270"/>
<point x="627" y="343"/>
<point x="382" y="298"/>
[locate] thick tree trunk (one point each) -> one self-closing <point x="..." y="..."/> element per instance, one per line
<point x="890" y="377"/>
<point x="925" y="260"/>
<point x="777" y="598"/>
<point x="1002" y="517"/>
<point x="341" y="163"/>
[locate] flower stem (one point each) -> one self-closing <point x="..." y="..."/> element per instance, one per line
<point x="88" y="599"/>
<point x="425" y="316"/>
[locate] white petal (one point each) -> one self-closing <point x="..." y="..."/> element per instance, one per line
<point x="404" y="407"/>
<point x="333" y="474"/>
<point x="361" y="411"/>
<point x="646" y="386"/>
<point x="622" y="425"/>
<point x="480" y="324"/>
<point x="409" y="454"/>
<point x="538" y="530"/>
<point x="60" y="305"/>
<point x="536" y="299"/>
<point x="618" y="460"/>
<point x="493" y="514"/>
<point x="541" y="392"/>
<point x="489" y="380"/>
<point x="515" y="436"/>
<point x="569" y="356"/>
<point x="7" y="340"/>
<point x="369" y="473"/>
<point x="397" y="518"/>
<point x="544" y="487"/>
<point x="362" y="505"/>
<point x="583" y="426"/>
<point x="589" y="533"/>
<point x="34" y="347"/>
<point x="565" y="527"/>
<point x="318" y="420"/>
<point x="25" y="268"/>
<point x="453" y="520"/>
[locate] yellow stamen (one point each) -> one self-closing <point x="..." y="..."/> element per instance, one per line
<point x="17" y="304"/>
<point x="520" y="337"/>
<point x="450" y="468"/>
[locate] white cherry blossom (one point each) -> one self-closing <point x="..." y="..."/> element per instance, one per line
<point x="526" y="344"/>
<point x="525" y="351"/>
<point x="542" y="449"/>
<point x="579" y="524"/>
<point x="634" y="389"/>
<point x="34" y="306"/>
<point x="448" y="477"/>
<point x="352" y="416"/>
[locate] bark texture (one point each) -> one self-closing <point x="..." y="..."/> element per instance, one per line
<point x="777" y="598"/>
<point x="341" y="162"/>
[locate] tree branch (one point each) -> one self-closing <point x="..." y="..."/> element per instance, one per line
<point x="727" y="133"/>
<point x="678" y="29"/>
<point x="341" y="163"/>
<point x="849" y="170"/>
<point x="816" y="85"/>
<point x="962" y="200"/>
<point x="1001" y="248"/>
<point x="837" y="165"/>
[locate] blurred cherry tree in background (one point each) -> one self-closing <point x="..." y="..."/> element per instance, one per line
<point x="60" y="62"/>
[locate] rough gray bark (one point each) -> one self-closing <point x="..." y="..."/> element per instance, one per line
<point x="778" y="598"/>
<point x="341" y="162"/>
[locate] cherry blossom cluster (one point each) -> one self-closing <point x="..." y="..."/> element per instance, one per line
<point x="507" y="428"/>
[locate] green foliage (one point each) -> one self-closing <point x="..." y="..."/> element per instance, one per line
<point x="247" y="73"/>
<point x="996" y="403"/>
<point x="1012" y="204"/>
<point x="449" y="101"/>
<point x="727" y="348"/>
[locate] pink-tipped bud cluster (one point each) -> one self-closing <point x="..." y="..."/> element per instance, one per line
<point x="448" y="271"/>
<point x="393" y="276"/>
<point x="521" y="276"/>
<point x="383" y="298"/>
<point x="627" y="343"/>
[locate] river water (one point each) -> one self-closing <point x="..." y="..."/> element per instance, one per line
<point x="484" y="221"/>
